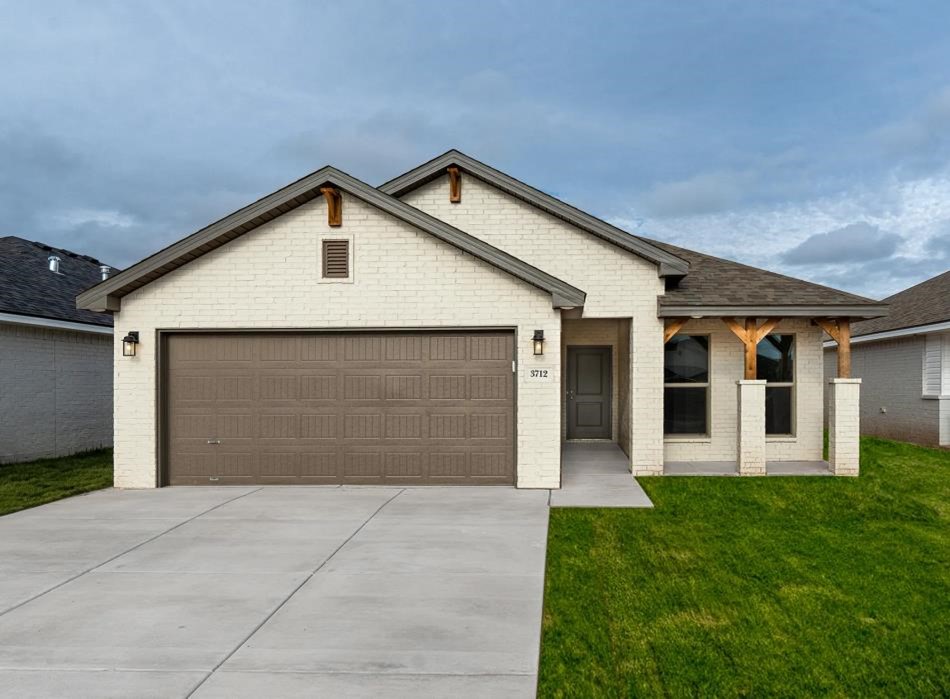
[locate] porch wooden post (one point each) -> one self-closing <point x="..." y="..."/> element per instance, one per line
<point x="844" y="348"/>
<point x="840" y="332"/>
<point x="750" y="346"/>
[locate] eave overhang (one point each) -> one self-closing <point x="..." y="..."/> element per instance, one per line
<point x="791" y="311"/>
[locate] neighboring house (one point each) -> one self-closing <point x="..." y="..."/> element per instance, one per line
<point x="333" y="332"/>
<point x="904" y="363"/>
<point x="55" y="360"/>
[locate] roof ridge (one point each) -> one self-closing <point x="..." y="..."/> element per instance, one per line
<point x="52" y="248"/>
<point x="929" y="280"/>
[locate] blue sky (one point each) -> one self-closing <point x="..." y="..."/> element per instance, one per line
<point x="809" y="138"/>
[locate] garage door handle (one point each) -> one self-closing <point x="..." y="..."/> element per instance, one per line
<point x="214" y="441"/>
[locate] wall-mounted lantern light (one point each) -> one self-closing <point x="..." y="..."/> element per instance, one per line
<point x="129" y="342"/>
<point x="538" y="342"/>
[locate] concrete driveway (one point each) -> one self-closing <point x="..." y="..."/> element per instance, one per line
<point x="229" y="592"/>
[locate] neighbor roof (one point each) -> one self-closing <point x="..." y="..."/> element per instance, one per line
<point x="669" y="264"/>
<point x="108" y="294"/>
<point x="723" y="286"/>
<point x="29" y="288"/>
<point x="923" y="304"/>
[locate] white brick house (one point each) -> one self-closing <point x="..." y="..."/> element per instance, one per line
<point x="453" y="325"/>
<point x="55" y="360"/>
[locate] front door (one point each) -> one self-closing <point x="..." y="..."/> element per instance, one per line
<point x="588" y="393"/>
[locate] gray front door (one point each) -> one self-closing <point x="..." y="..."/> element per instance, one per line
<point x="588" y="392"/>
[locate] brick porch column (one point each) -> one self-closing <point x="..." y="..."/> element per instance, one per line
<point x="750" y="452"/>
<point x="844" y="397"/>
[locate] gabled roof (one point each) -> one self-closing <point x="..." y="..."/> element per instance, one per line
<point x="669" y="264"/>
<point x="924" y="304"/>
<point x="721" y="287"/>
<point x="29" y="288"/>
<point x="108" y="294"/>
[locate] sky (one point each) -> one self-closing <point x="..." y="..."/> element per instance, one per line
<point x="809" y="138"/>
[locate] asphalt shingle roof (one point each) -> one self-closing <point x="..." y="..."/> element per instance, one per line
<point x="28" y="287"/>
<point x="713" y="281"/>
<point x="923" y="304"/>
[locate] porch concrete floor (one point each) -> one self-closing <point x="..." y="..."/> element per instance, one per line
<point x="597" y="474"/>
<point x="729" y="468"/>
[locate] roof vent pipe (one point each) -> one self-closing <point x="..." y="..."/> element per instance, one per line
<point x="53" y="264"/>
<point x="105" y="271"/>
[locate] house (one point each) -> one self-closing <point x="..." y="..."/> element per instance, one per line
<point x="903" y="361"/>
<point x="55" y="359"/>
<point x="455" y="326"/>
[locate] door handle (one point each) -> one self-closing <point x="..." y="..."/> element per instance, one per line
<point x="214" y="441"/>
<point x="570" y="395"/>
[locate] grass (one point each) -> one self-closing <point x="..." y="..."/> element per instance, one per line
<point x="37" y="482"/>
<point x="758" y="587"/>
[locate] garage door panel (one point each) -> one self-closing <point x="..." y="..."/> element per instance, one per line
<point x="362" y="348"/>
<point x="321" y="426"/>
<point x="402" y="408"/>
<point x="493" y="426"/>
<point x="403" y="348"/>
<point x="319" y="387"/>
<point x="448" y="387"/>
<point x="362" y="387"/>
<point x="404" y="387"/>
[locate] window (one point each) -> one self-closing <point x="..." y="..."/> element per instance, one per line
<point x="336" y="259"/>
<point x="775" y="362"/>
<point x="686" y="379"/>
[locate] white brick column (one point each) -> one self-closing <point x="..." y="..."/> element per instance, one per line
<point x="750" y="449"/>
<point x="646" y="396"/>
<point x="844" y="428"/>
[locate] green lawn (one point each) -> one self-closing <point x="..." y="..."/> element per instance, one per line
<point x="758" y="586"/>
<point x="38" y="482"/>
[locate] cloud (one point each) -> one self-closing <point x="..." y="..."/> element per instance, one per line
<point x="939" y="246"/>
<point x="106" y="218"/>
<point x="700" y="194"/>
<point x="915" y="211"/>
<point x="856" y="242"/>
<point x="921" y="140"/>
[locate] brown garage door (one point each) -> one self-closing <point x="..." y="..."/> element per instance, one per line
<point x="397" y="408"/>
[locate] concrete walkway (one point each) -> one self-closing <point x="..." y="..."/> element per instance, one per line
<point x="597" y="474"/>
<point x="730" y="468"/>
<point x="249" y="592"/>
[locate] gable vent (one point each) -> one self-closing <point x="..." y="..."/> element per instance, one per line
<point x="336" y="259"/>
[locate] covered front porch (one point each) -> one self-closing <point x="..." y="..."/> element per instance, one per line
<point x="739" y="395"/>
<point x="756" y="388"/>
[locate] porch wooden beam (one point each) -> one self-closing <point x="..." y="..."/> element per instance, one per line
<point x="673" y="327"/>
<point x="334" y="205"/>
<point x="844" y="348"/>
<point x="736" y="328"/>
<point x="766" y="327"/>
<point x="829" y="326"/>
<point x="455" y="184"/>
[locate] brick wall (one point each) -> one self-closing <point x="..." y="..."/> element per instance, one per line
<point x="55" y="392"/>
<point x="618" y="285"/>
<point x="726" y="367"/>
<point x="402" y="278"/>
